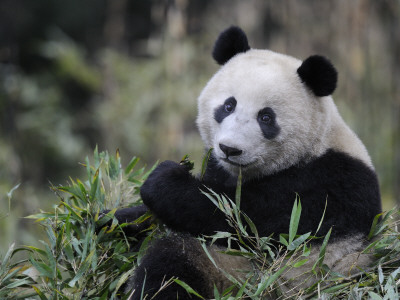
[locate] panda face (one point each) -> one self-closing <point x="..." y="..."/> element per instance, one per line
<point x="257" y="115"/>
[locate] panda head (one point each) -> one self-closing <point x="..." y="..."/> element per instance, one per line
<point x="263" y="112"/>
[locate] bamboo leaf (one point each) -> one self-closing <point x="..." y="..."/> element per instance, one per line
<point x="43" y="216"/>
<point x="94" y="185"/>
<point x="105" y="218"/>
<point x="238" y="193"/>
<point x="323" y="216"/>
<point x="39" y="292"/>
<point x="104" y="296"/>
<point x="84" y="195"/>
<point x="145" y="175"/>
<point x="322" y="251"/>
<point x="122" y="280"/>
<point x="6" y="259"/>
<point x="82" y="269"/>
<point x="60" y="236"/>
<point x="88" y="168"/>
<point x="297" y="242"/>
<point x="186" y="162"/>
<point x="242" y="289"/>
<point x="270" y="280"/>
<point x="211" y="198"/>
<point x="294" y="220"/>
<point x="131" y="165"/>
<point x="35" y="249"/>
<point x="51" y="262"/>
<point x="300" y="263"/>
<point x="337" y="287"/>
<point x="188" y="288"/>
<point x="374" y="296"/>
<point x="42" y="268"/>
<point x="205" y="163"/>
<point x="18" y="283"/>
<point x="143" y="248"/>
<point x="114" y="166"/>
<point x="282" y="240"/>
<point x="374" y="227"/>
<point x="10" y="193"/>
<point x="73" y="212"/>
<point x="252" y="226"/>
<point x="380" y="274"/>
<point x="10" y="275"/>
<point x="209" y="255"/>
<point x="51" y="236"/>
<point x="216" y="293"/>
<point x="69" y="253"/>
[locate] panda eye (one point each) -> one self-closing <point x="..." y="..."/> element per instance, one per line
<point x="226" y="109"/>
<point x="229" y="107"/>
<point x="265" y="118"/>
<point x="230" y="104"/>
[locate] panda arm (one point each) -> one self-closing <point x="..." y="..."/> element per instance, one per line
<point x="353" y="197"/>
<point x="175" y="197"/>
<point x="130" y="215"/>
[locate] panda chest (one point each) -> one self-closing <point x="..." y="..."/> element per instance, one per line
<point x="283" y="187"/>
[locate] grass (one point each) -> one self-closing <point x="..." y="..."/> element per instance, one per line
<point x="82" y="259"/>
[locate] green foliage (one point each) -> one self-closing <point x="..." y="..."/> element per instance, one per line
<point x="82" y="258"/>
<point x="274" y="258"/>
<point x="14" y="277"/>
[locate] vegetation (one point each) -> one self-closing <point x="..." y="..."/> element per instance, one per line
<point x="81" y="258"/>
<point x="126" y="74"/>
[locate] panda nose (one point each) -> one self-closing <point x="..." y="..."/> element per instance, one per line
<point x="230" y="151"/>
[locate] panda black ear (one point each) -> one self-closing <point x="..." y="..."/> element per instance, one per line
<point x="318" y="73"/>
<point x="229" y="43"/>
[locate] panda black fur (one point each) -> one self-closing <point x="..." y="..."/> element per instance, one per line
<point x="271" y="116"/>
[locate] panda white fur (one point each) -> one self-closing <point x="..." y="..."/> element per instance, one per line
<point x="271" y="116"/>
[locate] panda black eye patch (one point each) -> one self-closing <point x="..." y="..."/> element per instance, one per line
<point x="225" y="109"/>
<point x="266" y="118"/>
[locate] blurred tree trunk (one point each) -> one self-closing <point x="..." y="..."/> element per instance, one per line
<point x="114" y="27"/>
<point x="389" y="11"/>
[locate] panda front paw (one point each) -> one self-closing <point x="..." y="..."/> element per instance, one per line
<point x="164" y="182"/>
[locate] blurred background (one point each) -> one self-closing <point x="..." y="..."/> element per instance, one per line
<point x="125" y="74"/>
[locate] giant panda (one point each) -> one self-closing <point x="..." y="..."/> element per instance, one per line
<point x="271" y="118"/>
